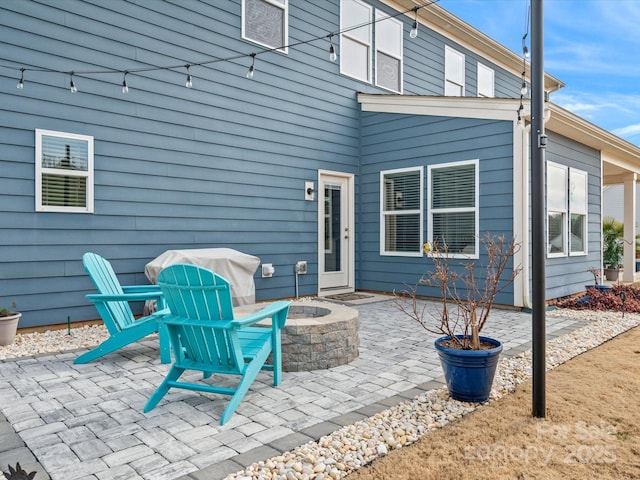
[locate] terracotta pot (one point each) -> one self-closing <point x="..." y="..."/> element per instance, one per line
<point x="8" y="327"/>
<point x="611" y="274"/>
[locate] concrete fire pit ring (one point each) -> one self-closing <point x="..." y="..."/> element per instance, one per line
<point x="317" y="335"/>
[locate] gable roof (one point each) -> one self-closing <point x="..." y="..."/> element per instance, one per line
<point x="445" y="23"/>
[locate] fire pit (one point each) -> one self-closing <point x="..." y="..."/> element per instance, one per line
<point x="317" y="335"/>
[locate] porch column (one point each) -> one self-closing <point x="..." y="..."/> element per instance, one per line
<point x="629" y="227"/>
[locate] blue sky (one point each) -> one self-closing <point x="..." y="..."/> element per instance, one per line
<point x="593" y="46"/>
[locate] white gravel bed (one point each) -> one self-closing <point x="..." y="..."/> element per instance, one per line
<point x="53" y="341"/>
<point x="336" y="455"/>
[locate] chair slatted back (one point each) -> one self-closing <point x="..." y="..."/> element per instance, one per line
<point x="104" y="278"/>
<point x="203" y="333"/>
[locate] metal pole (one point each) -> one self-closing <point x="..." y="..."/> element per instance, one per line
<point x="538" y="143"/>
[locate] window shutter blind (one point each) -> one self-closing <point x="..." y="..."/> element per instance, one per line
<point x="401" y="209"/>
<point x="64" y="154"/>
<point x="453" y="204"/>
<point x="264" y="23"/>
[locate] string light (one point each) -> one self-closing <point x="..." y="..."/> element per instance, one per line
<point x="525" y="55"/>
<point x="414" y="28"/>
<point x="72" y="84"/>
<point x="21" y="82"/>
<point x="332" y="50"/>
<point x="252" y="67"/>
<point x="189" y="82"/>
<point x="125" y="87"/>
<point x="525" y="50"/>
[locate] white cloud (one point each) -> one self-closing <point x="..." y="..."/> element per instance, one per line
<point x="628" y="131"/>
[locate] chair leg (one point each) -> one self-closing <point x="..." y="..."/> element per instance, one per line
<point x="111" y="344"/>
<point x="165" y="346"/>
<point x="161" y="391"/>
<point x="249" y="376"/>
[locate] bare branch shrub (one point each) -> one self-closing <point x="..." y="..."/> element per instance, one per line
<point x="465" y="301"/>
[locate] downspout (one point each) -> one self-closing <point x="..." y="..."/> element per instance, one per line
<point x="525" y="209"/>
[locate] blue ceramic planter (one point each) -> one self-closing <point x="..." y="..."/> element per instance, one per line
<point x="469" y="373"/>
<point x="602" y="288"/>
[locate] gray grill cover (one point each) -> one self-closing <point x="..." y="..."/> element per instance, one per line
<point x="237" y="267"/>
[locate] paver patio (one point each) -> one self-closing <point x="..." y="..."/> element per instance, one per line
<point x="86" y="421"/>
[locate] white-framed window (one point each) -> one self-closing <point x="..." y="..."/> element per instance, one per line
<point x="266" y="22"/>
<point x="355" y="43"/>
<point x="401" y="201"/>
<point x="64" y="172"/>
<point x="557" y="209"/>
<point x="578" y="211"/>
<point x="453" y="207"/>
<point x="486" y="81"/>
<point x="453" y="72"/>
<point x="388" y="47"/>
<point x="566" y="210"/>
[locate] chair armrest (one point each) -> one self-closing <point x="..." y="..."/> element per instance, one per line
<point x="268" y="311"/>
<point x="169" y="319"/>
<point x="140" y="288"/>
<point x="161" y="303"/>
<point x="125" y="297"/>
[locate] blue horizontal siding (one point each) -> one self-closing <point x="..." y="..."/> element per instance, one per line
<point x="392" y="141"/>
<point x="222" y="164"/>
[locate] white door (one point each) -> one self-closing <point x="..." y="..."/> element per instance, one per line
<point x="335" y="232"/>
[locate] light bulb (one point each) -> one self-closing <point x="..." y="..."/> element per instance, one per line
<point x="189" y="82"/>
<point x="21" y="82"/>
<point x="125" y="87"/>
<point x="414" y="27"/>
<point x="414" y="30"/>
<point x="252" y="67"/>
<point x="72" y="85"/>
<point x="523" y="90"/>
<point x="332" y="53"/>
<point x="525" y="50"/>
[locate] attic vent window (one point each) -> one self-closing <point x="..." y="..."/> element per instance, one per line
<point x="265" y="22"/>
<point x="64" y="172"/>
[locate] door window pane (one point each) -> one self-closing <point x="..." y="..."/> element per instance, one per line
<point x="332" y="228"/>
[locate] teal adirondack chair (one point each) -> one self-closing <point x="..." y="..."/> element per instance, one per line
<point x="205" y="336"/>
<point x="112" y="303"/>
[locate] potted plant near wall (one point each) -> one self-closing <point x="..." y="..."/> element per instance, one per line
<point x="8" y="324"/>
<point x="467" y="294"/>
<point x="612" y="231"/>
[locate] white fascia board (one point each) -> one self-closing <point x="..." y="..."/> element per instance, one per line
<point x="439" y="106"/>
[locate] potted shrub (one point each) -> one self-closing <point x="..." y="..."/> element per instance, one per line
<point x="596" y="276"/>
<point x="468" y="359"/>
<point x="612" y="232"/>
<point x="8" y="324"/>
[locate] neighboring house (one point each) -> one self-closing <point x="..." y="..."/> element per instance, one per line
<point x="613" y="204"/>
<point x="350" y="165"/>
